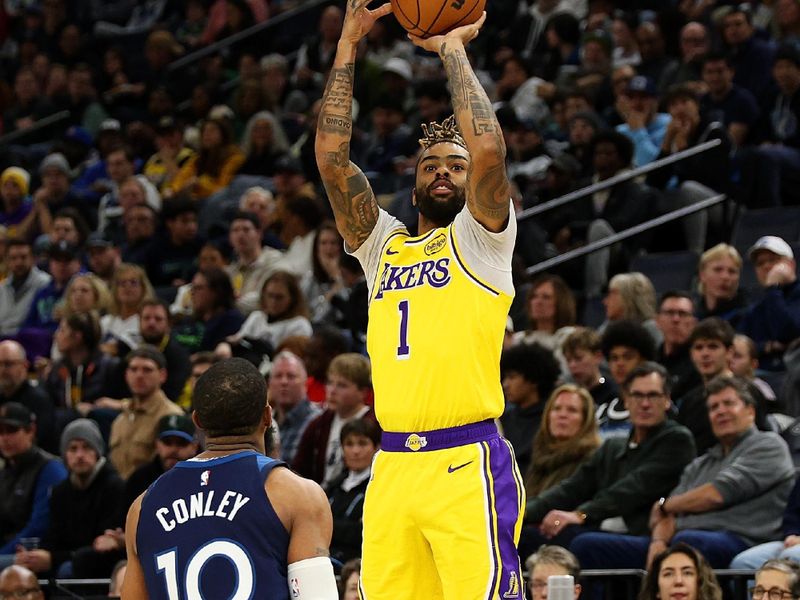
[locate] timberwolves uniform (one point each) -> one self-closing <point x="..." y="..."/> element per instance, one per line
<point x="207" y="531"/>
<point x="444" y="508"/>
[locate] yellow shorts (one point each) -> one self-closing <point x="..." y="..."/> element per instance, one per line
<point x="444" y="524"/>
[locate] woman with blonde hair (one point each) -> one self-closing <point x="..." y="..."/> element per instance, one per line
<point x="632" y="297"/>
<point x="718" y="284"/>
<point x="129" y="288"/>
<point x="85" y="292"/>
<point x="567" y="437"/>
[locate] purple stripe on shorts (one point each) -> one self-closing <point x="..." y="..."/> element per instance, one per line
<point x="491" y="515"/>
<point x="507" y="506"/>
<point x="439" y="439"/>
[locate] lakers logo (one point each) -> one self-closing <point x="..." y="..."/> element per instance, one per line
<point x="513" y="586"/>
<point x="435" y="244"/>
<point x="415" y="442"/>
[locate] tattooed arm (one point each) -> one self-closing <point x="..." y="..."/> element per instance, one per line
<point x="349" y="192"/>
<point x="488" y="190"/>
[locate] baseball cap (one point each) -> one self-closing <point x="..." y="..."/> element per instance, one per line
<point x="399" y="66"/>
<point x="15" y="414"/>
<point x="176" y="426"/>
<point x="110" y="125"/>
<point x="98" y="240"/>
<point x="166" y="125"/>
<point x="288" y="164"/>
<point x="641" y="85"/>
<point x="63" y="250"/>
<point x="772" y="243"/>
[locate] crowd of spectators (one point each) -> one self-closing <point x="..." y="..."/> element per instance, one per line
<point x="173" y="217"/>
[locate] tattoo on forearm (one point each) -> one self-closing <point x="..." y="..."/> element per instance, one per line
<point x="340" y="158"/>
<point x="349" y="193"/>
<point x="476" y="118"/>
<point x="354" y="206"/>
<point x="467" y="93"/>
<point x="337" y="105"/>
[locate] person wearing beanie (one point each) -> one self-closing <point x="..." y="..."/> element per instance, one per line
<point x="15" y="205"/>
<point x="83" y="507"/>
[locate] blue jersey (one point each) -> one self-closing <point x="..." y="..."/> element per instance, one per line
<point x="207" y="531"/>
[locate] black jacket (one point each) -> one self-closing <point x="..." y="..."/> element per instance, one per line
<point x="79" y="516"/>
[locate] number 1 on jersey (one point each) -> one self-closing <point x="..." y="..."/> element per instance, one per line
<point x="403" y="350"/>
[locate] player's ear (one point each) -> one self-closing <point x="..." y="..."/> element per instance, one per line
<point x="196" y="420"/>
<point x="267" y="419"/>
<point x="414" y="197"/>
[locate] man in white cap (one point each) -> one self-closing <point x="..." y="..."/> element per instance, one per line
<point x="774" y="321"/>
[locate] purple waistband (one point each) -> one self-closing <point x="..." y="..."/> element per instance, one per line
<point x="439" y="439"/>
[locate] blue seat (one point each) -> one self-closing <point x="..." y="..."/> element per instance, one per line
<point x="667" y="270"/>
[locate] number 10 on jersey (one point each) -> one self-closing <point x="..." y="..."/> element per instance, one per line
<point x="403" y="349"/>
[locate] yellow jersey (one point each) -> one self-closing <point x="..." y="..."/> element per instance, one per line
<point x="436" y="325"/>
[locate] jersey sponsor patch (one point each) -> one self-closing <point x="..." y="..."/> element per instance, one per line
<point x="435" y="245"/>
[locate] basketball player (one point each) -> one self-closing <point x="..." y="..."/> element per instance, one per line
<point x="443" y="511"/>
<point x="207" y="529"/>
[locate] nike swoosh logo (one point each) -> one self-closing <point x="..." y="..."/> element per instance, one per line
<point x="390" y="252"/>
<point x="451" y="468"/>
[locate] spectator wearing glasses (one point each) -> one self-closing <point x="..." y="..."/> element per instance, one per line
<point x="694" y="44"/>
<point x="547" y="562"/>
<point x="675" y="320"/>
<point x="777" y="579"/>
<point x="727" y="500"/>
<point x="16" y="387"/>
<point x="614" y="490"/>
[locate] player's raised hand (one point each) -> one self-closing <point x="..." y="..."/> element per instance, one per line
<point x="464" y="34"/>
<point x="358" y="19"/>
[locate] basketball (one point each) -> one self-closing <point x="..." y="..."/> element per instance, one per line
<point x="426" y="18"/>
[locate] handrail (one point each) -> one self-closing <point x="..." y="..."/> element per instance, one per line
<point x="623" y="235"/>
<point x="619" y="177"/>
<point x="241" y="35"/>
<point x="37" y="125"/>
